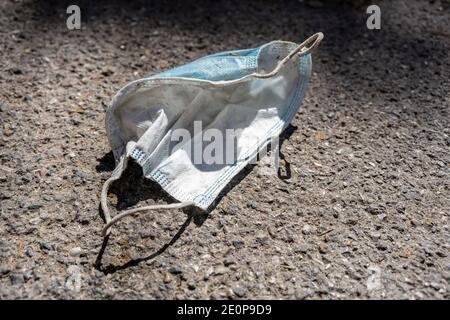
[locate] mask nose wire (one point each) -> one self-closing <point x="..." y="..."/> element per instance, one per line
<point x="120" y="168"/>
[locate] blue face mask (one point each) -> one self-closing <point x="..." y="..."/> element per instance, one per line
<point x="168" y="122"/>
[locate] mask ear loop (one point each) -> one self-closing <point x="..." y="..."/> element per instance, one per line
<point x="121" y="166"/>
<point x="304" y="48"/>
<point x="308" y="45"/>
<point x="107" y="228"/>
<point x="116" y="174"/>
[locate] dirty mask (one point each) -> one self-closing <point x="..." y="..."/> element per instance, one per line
<point x="255" y="91"/>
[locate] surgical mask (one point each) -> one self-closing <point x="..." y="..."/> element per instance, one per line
<point x="255" y="92"/>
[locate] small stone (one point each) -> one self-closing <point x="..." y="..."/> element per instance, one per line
<point x="29" y="252"/>
<point x="45" y="246"/>
<point x="4" y="270"/>
<point x="167" y="278"/>
<point x="8" y="131"/>
<point x="108" y="71"/>
<point x="28" y="275"/>
<point x="233" y="210"/>
<point x="239" y="291"/>
<point x="435" y="285"/>
<point x="23" y="35"/>
<point x="374" y="282"/>
<point x="27" y="180"/>
<point x="374" y="209"/>
<point x="220" y="271"/>
<point x="74" y="280"/>
<point x="307" y="229"/>
<point x="238" y="244"/>
<point x="252" y="205"/>
<point x="289" y="237"/>
<point x="381" y="245"/>
<point x="375" y="236"/>
<point x="175" y="270"/>
<point x="303" y="248"/>
<point x="5" y="195"/>
<point x="16" y="279"/>
<point x="208" y="273"/>
<point x="191" y="285"/>
<point x="302" y="293"/>
<point x="16" y="70"/>
<point x="441" y="254"/>
<point x="228" y="262"/>
<point x="195" y="267"/>
<point x="34" y="206"/>
<point x="75" y="252"/>
<point x="323" y="248"/>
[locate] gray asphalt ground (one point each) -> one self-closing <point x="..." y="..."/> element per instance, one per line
<point x="359" y="210"/>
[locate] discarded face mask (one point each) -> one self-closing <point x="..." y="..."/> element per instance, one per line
<point x="257" y="91"/>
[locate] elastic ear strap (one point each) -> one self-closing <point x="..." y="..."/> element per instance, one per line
<point x="305" y="47"/>
<point x="117" y="173"/>
<point x="106" y="229"/>
<point x="309" y="44"/>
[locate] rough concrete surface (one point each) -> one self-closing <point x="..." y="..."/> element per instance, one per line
<point x="360" y="208"/>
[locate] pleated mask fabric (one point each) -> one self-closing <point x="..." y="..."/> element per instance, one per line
<point x="255" y="92"/>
